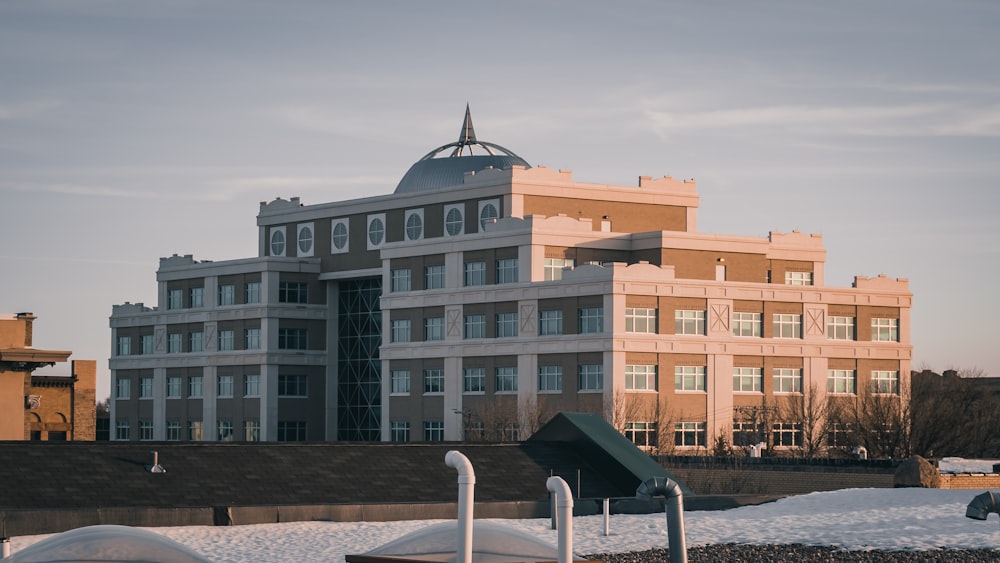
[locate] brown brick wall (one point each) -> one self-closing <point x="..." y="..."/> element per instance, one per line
<point x="764" y="480"/>
<point x="970" y="481"/>
<point x="85" y="400"/>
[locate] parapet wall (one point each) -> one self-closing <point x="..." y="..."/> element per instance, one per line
<point x="970" y="481"/>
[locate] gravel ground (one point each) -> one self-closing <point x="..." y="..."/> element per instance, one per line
<point x="728" y="553"/>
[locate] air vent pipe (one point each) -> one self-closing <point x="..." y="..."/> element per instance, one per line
<point x="564" y="504"/>
<point x="657" y="486"/>
<point x="982" y="505"/>
<point x="155" y="467"/>
<point x="466" y="500"/>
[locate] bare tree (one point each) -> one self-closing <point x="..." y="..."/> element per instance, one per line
<point x="881" y="422"/>
<point x="811" y="412"/>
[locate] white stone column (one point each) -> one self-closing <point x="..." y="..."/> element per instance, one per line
<point x="159" y="404"/>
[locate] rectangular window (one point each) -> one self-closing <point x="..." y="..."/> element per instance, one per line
<point x="475" y="273"/>
<point x="689" y="434"/>
<point x="746" y="324"/>
<point x="689" y="322"/>
<point x="251" y="339"/>
<point x="224" y="387"/>
<point x="689" y="378"/>
<point x="433" y="277"/>
<point x="433" y="381"/>
<point x="841" y="381"/>
<point x="123" y="388"/>
<point x="291" y="431"/>
<point x="145" y="429"/>
<point x="840" y="435"/>
<point x="640" y="378"/>
<point x="251" y="430"/>
<point x="224" y="430"/>
<point x="798" y="278"/>
<point x="174" y="387"/>
<point x="550" y="323"/>
<point x="124" y="346"/>
<point x="173" y="430"/>
<point x="197" y="297"/>
<point x="475" y="431"/>
<point x="840" y="328"/>
<point x="400" y="280"/>
<point x="591" y="320"/>
<point x="174" y="343"/>
<point x="400" y="382"/>
<point x="885" y="382"/>
<point x="554" y="267"/>
<point x="251" y="292"/>
<point x="433" y="431"/>
<point x="474" y="380"/>
<point x="506" y="324"/>
<point x="787" y="380"/>
<point x="145" y="387"/>
<point x="293" y="292"/>
<point x="475" y="326"/>
<point x="885" y="330"/>
<point x="506" y="380"/>
<point x="640" y="320"/>
<point x="194" y="386"/>
<point x="400" y="431"/>
<point x="747" y="433"/>
<point x="787" y="434"/>
<point x="788" y="326"/>
<point x="507" y="270"/>
<point x="642" y="434"/>
<point x="147" y="344"/>
<point x="293" y="339"/>
<point x="590" y="377"/>
<point x="293" y="386"/>
<point x="175" y="299"/>
<point x="434" y="328"/>
<point x="121" y="429"/>
<point x="400" y="330"/>
<point x="251" y="385"/>
<point x="227" y="294"/>
<point x="747" y="380"/>
<point x="196" y="341"/>
<point x="195" y="433"/>
<point x="227" y="340"/>
<point x="549" y="378"/>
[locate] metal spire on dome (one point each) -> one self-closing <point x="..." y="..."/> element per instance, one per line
<point x="468" y="134"/>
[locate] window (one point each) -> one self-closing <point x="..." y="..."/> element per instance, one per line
<point x="197" y="297"/>
<point x="746" y="324"/>
<point x="885" y="382"/>
<point x="689" y="378"/>
<point x="689" y="322"/>
<point x="591" y="320"/>
<point x="454" y="223"/>
<point x="640" y="320"/>
<point x="433" y="381"/>
<point x="278" y="241"/>
<point x="291" y="431"/>
<point x="400" y="330"/>
<point x="747" y="380"/>
<point x="224" y="387"/>
<point x="293" y="292"/>
<point x="400" y="280"/>
<point x="549" y="378"/>
<point x="840" y="435"/>
<point x="590" y="377"/>
<point x="339" y="234"/>
<point x="788" y="326"/>
<point x="475" y="326"/>
<point x="147" y="344"/>
<point x="747" y="433"/>
<point x="124" y="346"/>
<point x="196" y="341"/>
<point x="506" y="324"/>
<point x="376" y="231"/>
<point x="145" y="387"/>
<point x="293" y="339"/>
<point x="841" y="381"/>
<point x="688" y="434"/>
<point x="787" y="434"/>
<point x="174" y="387"/>
<point x="195" y="433"/>
<point x="123" y="388"/>
<point x="550" y="323"/>
<point x="474" y="380"/>
<point x="787" y="380"/>
<point x="173" y="430"/>
<point x="509" y="431"/>
<point x="488" y="212"/>
<point x="194" y="386"/>
<point x="475" y="273"/>
<point x="174" y="343"/>
<point x="175" y="299"/>
<point x="227" y="294"/>
<point x="251" y="339"/>
<point x="121" y="429"/>
<point x="305" y="240"/>
<point x="434" y="328"/>
<point x="640" y="378"/>
<point x="399" y="430"/>
<point x="798" y="278"/>
<point x="433" y="431"/>
<point x="415" y="224"/>
<point x="506" y="380"/>
<point x="885" y="330"/>
<point x="400" y="382"/>
<point x="433" y="277"/>
<point x="293" y="386"/>
<point x="642" y="434"/>
<point x="224" y="430"/>
<point x="251" y="430"/>
<point x="227" y="340"/>
<point x="252" y="292"/>
<point x="554" y="267"/>
<point x="475" y="431"/>
<point x="507" y="270"/>
<point x="251" y="385"/>
<point x="840" y="328"/>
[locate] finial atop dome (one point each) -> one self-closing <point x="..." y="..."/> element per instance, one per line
<point x="468" y="134"/>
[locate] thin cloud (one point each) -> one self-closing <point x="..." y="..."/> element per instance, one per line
<point x="26" y="109"/>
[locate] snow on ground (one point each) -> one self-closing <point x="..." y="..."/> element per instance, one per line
<point x="854" y="519"/>
<point x="961" y="465"/>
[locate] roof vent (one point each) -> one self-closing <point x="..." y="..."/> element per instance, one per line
<point x="155" y="467"/>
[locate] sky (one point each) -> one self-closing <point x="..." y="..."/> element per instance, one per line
<point x="135" y="130"/>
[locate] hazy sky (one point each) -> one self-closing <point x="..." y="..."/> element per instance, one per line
<point x="135" y="130"/>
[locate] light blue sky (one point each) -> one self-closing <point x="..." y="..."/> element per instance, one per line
<point x="134" y="130"/>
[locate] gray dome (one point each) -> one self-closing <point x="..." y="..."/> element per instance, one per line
<point x="432" y="172"/>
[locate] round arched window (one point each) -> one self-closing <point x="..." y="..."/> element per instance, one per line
<point x="339" y="236"/>
<point x="277" y="243"/>
<point x="414" y="226"/>
<point x="305" y="240"/>
<point x="453" y="221"/>
<point x="487" y="215"/>
<point x="376" y="231"/>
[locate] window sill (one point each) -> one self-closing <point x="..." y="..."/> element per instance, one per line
<point x="590" y="391"/>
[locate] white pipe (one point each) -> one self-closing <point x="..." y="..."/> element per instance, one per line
<point x="607" y="516"/>
<point x="564" y="502"/>
<point x="5" y="552"/>
<point x="466" y="500"/>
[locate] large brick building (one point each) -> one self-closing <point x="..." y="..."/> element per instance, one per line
<point x="483" y="295"/>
